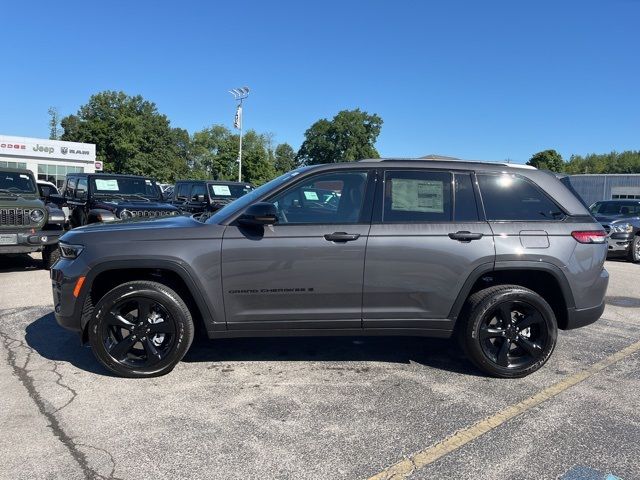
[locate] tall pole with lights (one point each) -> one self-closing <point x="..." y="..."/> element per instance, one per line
<point x="239" y="94"/>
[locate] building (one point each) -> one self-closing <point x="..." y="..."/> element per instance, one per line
<point x="49" y="160"/>
<point x="595" y="187"/>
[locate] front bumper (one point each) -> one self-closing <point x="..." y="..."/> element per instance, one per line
<point x="26" y="242"/>
<point x="619" y="242"/>
<point x="66" y="306"/>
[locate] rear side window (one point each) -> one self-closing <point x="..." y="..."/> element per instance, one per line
<point x="509" y="197"/>
<point x="417" y="196"/>
<point x="466" y="209"/>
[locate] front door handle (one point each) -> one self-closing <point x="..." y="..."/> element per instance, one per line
<point x="464" y="236"/>
<point x="341" y="237"/>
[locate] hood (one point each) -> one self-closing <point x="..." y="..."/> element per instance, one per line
<point x="608" y="219"/>
<point x="130" y="204"/>
<point x="142" y="230"/>
<point x="20" y="201"/>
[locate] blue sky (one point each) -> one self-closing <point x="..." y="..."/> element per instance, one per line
<point x="481" y="80"/>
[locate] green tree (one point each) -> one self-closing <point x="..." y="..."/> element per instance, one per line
<point x="614" y="162"/>
<point x="214" y="154"/>
<point x="285" y="158"/>
<point x="350" y="135"/>
<point x="54" y="122"/>
<point x="547" y="160"/>
<point x="131" y="136"/>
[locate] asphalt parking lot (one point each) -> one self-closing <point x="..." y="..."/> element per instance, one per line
<point x="316" y="408"/>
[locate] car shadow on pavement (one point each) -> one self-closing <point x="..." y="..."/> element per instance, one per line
<point x="53" y="342"/>
<point x="19" y="263"/>
<point x="429" y="352"/>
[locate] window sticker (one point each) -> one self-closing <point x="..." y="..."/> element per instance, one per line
<point x="413" y="195"/>
<point x="221" y="190"/>
<point x="148" y="182"/>
<point x="26" y="177"/>
<point x="109" y="185"/>
<point x="311" y="195"/>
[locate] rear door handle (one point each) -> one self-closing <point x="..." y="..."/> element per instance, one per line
<point x="465" y="236"/>
<point x="341" y="237"/>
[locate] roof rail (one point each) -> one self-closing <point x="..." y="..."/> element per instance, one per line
<point x="431" y="158"/>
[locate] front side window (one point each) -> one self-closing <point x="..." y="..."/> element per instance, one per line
<point x="509" y="197"/>
<point x="198" y="189"/>
<point x="327" y="198"/>
<point x="416" y="196"/>
<point x="182" y="191"/>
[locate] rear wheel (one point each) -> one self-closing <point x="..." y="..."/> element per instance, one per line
<point x="140" y="329"/>
<point x="509" y="331"/>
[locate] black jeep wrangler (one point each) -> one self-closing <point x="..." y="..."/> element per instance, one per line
<point x="103" y="197"/>
<point x="207" y="196"/>
<point x="26" y="223"/>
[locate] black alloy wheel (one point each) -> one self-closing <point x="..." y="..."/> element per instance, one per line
<point x="138" y="332"/>
<point x="513" y="334"/>
<point x="140" y="329"/>
<point x="508" y="331"/>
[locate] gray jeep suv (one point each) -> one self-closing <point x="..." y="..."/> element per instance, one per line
<point x="500" y="256"/>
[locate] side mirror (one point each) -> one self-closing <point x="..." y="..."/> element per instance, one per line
<point x="262" y="213"/>
<point x="81" y="194"/>
<point x="45" y="191"/>
<point x="199" y="198"/>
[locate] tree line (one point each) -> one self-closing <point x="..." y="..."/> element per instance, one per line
<point x="614" y="162"/>
<point x="132" y="137"/>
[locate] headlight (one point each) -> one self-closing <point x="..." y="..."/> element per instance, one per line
<point x="70" y="251"/>
<point x="36" y="215"/>
<point x="622" y="228"/>
<point x="124" y="214"/>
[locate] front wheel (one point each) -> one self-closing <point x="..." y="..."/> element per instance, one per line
<point x="634" y="250"/>
<point x="509" y="331"/>
<point x="140" y="329"/>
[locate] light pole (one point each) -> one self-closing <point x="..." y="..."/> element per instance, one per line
<point x="239" y="94"/>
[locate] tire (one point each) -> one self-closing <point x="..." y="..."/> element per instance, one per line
<point x="634" y="250"/>
<point x="50" y="255"/>
<point x="132" y="347"/>
<point x="508" y="331"/>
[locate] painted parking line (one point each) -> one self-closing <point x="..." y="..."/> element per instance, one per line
<point x="421" y="459"/>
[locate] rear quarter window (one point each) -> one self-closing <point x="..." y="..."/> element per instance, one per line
<point x="510" y="197"/>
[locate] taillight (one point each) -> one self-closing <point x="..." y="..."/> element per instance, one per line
<point x="590" y="236"/>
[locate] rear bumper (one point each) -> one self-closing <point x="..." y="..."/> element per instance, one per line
<point x="582" y="317"/>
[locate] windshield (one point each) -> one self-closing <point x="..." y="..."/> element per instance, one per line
<point x="125" y="186"/>
<point x="615" y="208"/>
<point x="228" y="191"/>
<point x="246" y="200"/>
<point x="17" y="182"/>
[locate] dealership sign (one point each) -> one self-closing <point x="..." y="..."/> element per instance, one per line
<point x="54" y="149"/>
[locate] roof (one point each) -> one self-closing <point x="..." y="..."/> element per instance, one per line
<point x="449" y="162"/>
<point x="116" y="175"/>
<point x="16" y="170"/>
<point x="219" y="182"/>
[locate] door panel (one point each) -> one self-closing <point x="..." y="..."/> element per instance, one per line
<point x="306" y="271"/>
<point x="427" y="238"/>
<point x="414" y="272"/>
<point x="290" y="276"/>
